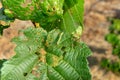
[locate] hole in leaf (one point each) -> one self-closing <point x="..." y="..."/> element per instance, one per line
<point x="54" y="8"/>
<point x="25" y="74"/>
<point x="37" y="53"/>
<point x="63" y="48"/>
<point x="48" y="10"/>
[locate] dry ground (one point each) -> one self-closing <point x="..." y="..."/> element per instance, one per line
<point x="96" y="23"/>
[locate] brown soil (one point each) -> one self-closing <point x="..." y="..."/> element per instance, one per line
<point x="96" y="23"/>
<point x="6" y="46"/>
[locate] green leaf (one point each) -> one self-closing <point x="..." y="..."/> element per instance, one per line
<point x="66" y="60"/>
<point x="112" y="38"/>
<point x="25" y="59"/>
<point x="54" y="55"/>
<point x="16" y="68"/>
<point x="44" y="12"/>
<point x="73" y="15"/>
<point x="48" y="56"/>
<point x="71" y="65"/>
<point x="117" y="24"/>
<point x="72" y="18"/>
<point x="74" y="64"/>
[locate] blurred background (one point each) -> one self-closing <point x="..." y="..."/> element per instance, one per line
<point x="99" y="16"/>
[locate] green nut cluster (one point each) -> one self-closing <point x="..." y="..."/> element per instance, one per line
<point x="52" y="7"/>
<point x="22" y="9"/>
<point x="35" y="10"/>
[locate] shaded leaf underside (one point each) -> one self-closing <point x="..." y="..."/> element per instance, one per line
<point x="73" y="15"/>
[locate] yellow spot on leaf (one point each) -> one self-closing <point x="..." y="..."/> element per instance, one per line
<point x="43" y="55"/>
<point x="56" y="60"/>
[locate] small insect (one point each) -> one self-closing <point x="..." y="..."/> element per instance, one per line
<point x="58" y="42"/>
